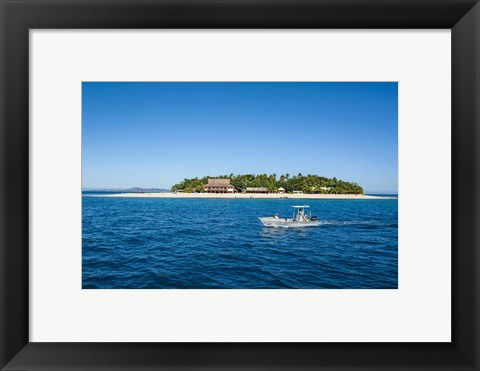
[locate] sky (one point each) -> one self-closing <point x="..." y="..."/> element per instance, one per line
<point x="155" y="134"/>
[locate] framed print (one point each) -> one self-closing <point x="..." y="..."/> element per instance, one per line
<point x="259" y="185"/>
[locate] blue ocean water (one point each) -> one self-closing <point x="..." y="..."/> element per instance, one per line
<point x="159" y="243"/>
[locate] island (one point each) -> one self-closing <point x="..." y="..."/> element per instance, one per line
<point x="259" y="186"/>
<point x="264" y="183"/>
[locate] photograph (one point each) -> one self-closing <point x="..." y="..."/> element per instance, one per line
<point x="239" y="185"/>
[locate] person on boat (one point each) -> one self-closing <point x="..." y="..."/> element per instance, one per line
<point x="276" y="216"/>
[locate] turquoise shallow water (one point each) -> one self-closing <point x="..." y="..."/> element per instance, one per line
<point x="135" y="243"/>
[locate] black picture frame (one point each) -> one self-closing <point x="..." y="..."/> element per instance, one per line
<point x="18" y="16"/>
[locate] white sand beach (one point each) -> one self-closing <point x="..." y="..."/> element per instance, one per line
<point x="247" y="195"/>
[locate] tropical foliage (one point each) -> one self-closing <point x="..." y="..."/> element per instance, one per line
<point x="305" y="183"/>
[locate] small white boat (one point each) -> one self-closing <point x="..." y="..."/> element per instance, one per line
<point x="300" y="218"/>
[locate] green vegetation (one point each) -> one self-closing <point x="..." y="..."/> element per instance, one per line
<point x="305" y="183"/>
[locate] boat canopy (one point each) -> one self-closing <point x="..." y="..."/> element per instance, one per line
<point x="300" y="207"/>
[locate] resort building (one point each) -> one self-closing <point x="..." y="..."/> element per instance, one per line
<point x="255" y="190"/>
<point x="297" y="192"/>
<point x="219" y="186"/>
<point x="281" y="190"/>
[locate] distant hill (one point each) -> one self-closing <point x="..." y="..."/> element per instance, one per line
<point x="127" y="190"/>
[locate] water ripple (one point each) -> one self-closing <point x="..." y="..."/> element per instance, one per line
<point x="201" y="244"/>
